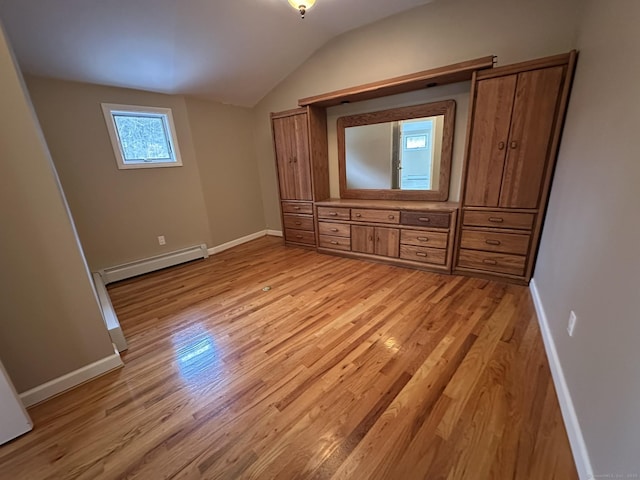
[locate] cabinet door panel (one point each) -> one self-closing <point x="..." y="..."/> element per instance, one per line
<point x="301" y="162"/>
<point x="489" y="136"/>
<point x="362" y="239"/>
<point x="533" y="116"/>
<point x="284" y="157"/>
<point x="387" y="242"/>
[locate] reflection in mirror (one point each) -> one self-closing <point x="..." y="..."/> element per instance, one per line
<point x="402" y="153"/>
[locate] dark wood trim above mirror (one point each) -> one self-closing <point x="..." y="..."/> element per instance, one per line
<point x="446" y="108"/>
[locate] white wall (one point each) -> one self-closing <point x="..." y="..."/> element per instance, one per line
<point x="589" y="260"/>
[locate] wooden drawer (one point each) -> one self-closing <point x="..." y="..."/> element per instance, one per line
<point x="423" y="254"/>
<point x="298" y="222"/>
<point x="424" y="239"/>
<point x="300" y="236"/>
<point x="376" y="216"/>
<point x="498" y="219"/>
<point x="492" y="262"/>
<point x="296" y="207"/>
<point x="335" y="213"/>
<point x="337" y="243"/>
<point x="495" y="242"/>
<point x="336" y="229"/>
<point x="426" y="219"/>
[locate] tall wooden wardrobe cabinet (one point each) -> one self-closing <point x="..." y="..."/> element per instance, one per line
<point x="299" y="137"/>
<point x="514" y="131"/>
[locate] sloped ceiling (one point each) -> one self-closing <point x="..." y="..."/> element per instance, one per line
<point x="232" y="51"/>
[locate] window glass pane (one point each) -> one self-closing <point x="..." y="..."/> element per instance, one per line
<point x="143" y="137"/>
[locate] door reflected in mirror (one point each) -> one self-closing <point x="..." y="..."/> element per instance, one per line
<point x="402" y="153"/>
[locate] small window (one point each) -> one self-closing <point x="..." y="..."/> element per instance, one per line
<point x="142" y="137"/>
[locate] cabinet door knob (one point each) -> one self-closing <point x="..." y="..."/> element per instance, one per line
<point x="370" y="238"/>
<point x="423" y="239"/>
<point x="489" y="261"/>
<point x="424" y="219"/>
<point x="496" y="219"/>
<point x="492" y="242"/>
<point x="514" y="144"/>
<point x="501" y="146"/>
<point x="421" y="254"/>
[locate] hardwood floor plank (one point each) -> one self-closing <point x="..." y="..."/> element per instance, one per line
<point x="342" y="369"/>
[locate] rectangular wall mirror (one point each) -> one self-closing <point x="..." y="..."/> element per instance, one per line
<point x="400" y="154"/>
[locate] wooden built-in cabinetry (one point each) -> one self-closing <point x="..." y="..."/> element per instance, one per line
<point x="407" y="233"/>
<point x="299" y="138"/>
<point x="516" y="118"/>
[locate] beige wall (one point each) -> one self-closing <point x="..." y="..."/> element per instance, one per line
<point x="119" y="213"/>
<point x="223" y="142"/>
<point x="589" y="261"/>
<point x="50" y="321"/>
<point x="436" y="34"/>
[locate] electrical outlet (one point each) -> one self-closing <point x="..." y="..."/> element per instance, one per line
<point x="572" y="323"/>
<point x="161" y="240"/>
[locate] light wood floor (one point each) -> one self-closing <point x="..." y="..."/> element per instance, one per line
<point x="343" y="369"/>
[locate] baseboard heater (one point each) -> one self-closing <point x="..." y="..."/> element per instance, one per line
<point x="133" y="269"/>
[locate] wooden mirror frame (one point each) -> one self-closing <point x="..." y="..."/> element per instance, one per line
<point x="445" y="107"/>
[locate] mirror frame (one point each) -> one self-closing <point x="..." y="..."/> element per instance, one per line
<point x="445" y="107"/>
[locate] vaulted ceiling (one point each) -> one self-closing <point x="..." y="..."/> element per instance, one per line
<point x="233" y="51"/>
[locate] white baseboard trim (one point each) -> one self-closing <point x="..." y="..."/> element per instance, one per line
<point x="109" y="314"/>
<point x="274" y="233"/>
<point x="578" y="446"/>
<point x="239" y="241"/>
<point x="146" y="265"/>
<point x="71" y="380"/>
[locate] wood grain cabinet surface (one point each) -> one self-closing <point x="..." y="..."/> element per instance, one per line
<point x="389" y="231"/>
<point x="515" y="122"/>
<point x="299" y="139"/>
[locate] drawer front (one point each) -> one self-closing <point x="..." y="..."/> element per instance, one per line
<point x="337" y="243"/>
<point x="426" y="219"/>
<point x="492" y="262"/>
<point x="336" y="229"/>
<point x="329" y="212"/>
<point x="376" y="216"/>
<point x="424" y="239"/>
<point x="423" y="254"/>
<point x="295" y="207"/>
<point x="300" y="236"/>
<point x="298" y="222"/>
<point x="522" y="221"/>
<point x="495" y="242"/>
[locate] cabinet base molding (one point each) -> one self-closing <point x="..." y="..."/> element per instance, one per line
<point x="397" y="262"/>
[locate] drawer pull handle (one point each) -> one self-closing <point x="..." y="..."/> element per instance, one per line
<point x="358" y="215"/>
<point x="421" y="254"/>
<point x="334" y="229"/>
<point x="493" y="242"/>
<point x="489" y="261"/>
<point x="424" y="219"/>
<point x="298" y="236"/>
<point x="296" y="208"/>
<point x="333" y="214"/>
<point x="298" y="223"/>
<point x="496" y="219"/>
<point x="423" y="239"/>
<point x="333" y="242"/>
<point x="391" y="217"/>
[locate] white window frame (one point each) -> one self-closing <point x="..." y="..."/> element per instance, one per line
<point x="109" y="109"/>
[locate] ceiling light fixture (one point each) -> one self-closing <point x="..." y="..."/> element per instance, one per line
<point x="302" y="5"/>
